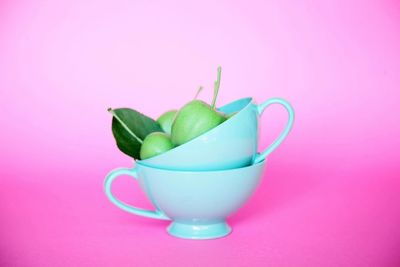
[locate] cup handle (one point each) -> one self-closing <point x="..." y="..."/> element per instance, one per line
<point x="131" y="209"/>
<point x="260" y="109"/>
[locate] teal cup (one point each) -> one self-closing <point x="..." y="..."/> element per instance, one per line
<point x="232" y="144"/>
<point x="196" y="202"/>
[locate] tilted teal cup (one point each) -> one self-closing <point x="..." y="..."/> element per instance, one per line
<point x="197" y="202"/>
<point x="232" y="144"/>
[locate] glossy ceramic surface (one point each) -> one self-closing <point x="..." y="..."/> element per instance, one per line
<point x="232" y="144"/>
<point x="197" y="202"/>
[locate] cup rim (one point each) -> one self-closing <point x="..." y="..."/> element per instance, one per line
<point x="249" y="102"/>
<point x="253" y="165"/>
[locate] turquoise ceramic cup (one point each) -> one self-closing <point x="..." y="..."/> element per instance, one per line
<point x="232" y="144"/>
<point x="197" y="202"/>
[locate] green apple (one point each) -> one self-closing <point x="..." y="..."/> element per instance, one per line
<point x="155" y="144"/>
<point x="166" y="119"/>
<point x="196" y="118"/>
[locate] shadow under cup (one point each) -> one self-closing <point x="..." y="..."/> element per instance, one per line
<point x="232" y="144"/>
<point x="197" y="202"/>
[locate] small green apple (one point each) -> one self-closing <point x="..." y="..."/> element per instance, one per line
<point x="166" y="119"/>
<point x="196" y="118"/>
<point x="155" y="144"/>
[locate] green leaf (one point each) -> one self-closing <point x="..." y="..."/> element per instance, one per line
<point x="130" y="128"/>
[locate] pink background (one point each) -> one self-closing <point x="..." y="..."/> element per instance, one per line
<point x="330" y="194"/>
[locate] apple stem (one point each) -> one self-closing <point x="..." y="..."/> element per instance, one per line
<point x="124" y="125"/>
<point x="198" y="92"/>
<point x="216" y="87"/>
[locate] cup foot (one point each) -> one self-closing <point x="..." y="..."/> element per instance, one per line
<point x="199" y="231"/>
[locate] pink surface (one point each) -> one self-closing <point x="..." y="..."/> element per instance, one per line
<point x="330" y="194"/>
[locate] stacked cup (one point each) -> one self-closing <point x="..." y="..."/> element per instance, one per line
<point x="198" y="184"/>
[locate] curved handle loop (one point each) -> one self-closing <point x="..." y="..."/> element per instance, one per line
<point x="260" y="109"/>
<point x="141" y="212"/>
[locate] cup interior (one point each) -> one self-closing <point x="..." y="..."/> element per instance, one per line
<point x="235" y="106"/>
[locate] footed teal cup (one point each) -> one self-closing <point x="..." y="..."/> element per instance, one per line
<point x="232" y="144"/>
<point x="197" y="202"/>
